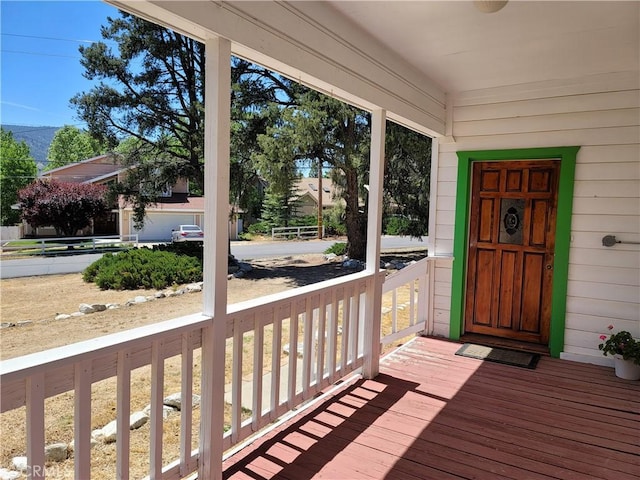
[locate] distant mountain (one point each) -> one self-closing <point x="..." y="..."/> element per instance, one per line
<point x="37" y="138"/>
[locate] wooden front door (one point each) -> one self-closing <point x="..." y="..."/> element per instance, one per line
<point x="511" y="249"/>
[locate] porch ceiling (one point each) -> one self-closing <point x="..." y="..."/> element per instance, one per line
<point x="463" y="49"/>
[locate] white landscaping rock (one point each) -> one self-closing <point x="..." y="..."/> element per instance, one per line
<point x="137" y="419"/>
<point x="175" y="400"/>
<point x="62" y="316"/>
<point x="166" y="411"/>
<point x="9" y="474"/>
<point x="56" y="452"/>
<point x="140" y="299"/>
<point x="109" y="432"/>
<point x="93" y="443"/>
<point x="97" y="435"/>
<point x="20" y="463"/>
<point x="77" y="314"/>
<point x="86" y="308"/>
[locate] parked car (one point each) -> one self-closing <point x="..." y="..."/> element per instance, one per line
<point x="187" y="233"/>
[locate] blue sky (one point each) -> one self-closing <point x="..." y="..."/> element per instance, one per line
<point x="40" y="67"/>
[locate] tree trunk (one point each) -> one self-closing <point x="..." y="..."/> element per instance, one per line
<point x="356" y="238"/>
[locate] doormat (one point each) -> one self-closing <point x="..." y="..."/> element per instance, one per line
<point x="499" y="355"/>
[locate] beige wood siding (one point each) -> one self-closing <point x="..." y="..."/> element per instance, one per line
<point x="602" y="116"/>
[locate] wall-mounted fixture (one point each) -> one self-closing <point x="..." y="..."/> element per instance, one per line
<point x="489" y="6"/>
<point x="610" y="241"/>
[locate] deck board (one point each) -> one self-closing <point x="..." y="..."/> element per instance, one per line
<point x="433" y="415"/>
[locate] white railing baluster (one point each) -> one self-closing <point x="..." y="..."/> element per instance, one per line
<point x="236" y="382"/>
<point x="157" y="405"/>
<point x="306" y="349"/>
<point x="355" y="319"/>
<point x="258" y="353"/>
<point x="82" y="420"/>
<point x="35" y="426"/>
<point x="293" y="354"/>
<point x="321" y="342"/>
<point x="186" y="411"/>
<point x="412" y="304"/>
<point x="123" y="409"/>
<point x="394" y="310"/>
<point x="276" y="365"/>
<point x="346" y="327"/>
<point x="332" y="347"/>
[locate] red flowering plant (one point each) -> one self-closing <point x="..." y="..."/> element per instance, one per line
<point x="621" y="343"/>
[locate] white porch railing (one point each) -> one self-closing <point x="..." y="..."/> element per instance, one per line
<point x="282" y="350"/>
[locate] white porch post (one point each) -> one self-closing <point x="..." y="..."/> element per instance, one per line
<point x="374" y="230"/>
<point x="216" y="233"/>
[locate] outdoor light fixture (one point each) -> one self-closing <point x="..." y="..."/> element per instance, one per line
<point x="489" y="6"/>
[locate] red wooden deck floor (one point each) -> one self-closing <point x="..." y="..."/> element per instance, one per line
<point x="433" y="415"/>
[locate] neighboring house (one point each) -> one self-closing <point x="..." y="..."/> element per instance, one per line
<point x="174" y="206"/>
<point x="309" y="193"/>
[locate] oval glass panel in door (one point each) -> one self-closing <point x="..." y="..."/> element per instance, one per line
<point x="511" y="215"/>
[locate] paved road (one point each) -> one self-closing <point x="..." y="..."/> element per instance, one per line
<point x="241" y="250"/>
<point x="250" y="250"/>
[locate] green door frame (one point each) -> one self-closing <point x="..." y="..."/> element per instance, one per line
<point x="567" y="157"/>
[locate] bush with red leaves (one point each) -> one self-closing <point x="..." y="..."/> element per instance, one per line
<point x="66" y="206"/>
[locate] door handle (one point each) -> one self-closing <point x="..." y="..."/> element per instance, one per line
<point x="549" y="266"/>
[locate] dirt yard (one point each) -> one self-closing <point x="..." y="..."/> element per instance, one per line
<point x="37" y="300"/>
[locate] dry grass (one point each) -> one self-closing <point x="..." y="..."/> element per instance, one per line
<point x="61" y="294"/>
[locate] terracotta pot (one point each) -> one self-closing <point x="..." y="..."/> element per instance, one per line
<point x="626" y="368"/>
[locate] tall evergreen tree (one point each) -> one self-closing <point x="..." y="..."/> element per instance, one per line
<point x="17" y="170"/>
<point x="337" y="134"/>
<point x="152" y="89"/>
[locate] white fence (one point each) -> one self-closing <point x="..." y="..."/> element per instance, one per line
<point x="297" y="232"/>
<point x="58" y="245"/>
<point x="282" y="350"/>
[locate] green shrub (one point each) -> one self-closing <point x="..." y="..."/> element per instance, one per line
<point x="260" y="228"/>
<point x="190" y="249"/>
<point x="339" y="248"/>
<point x="334" y="221"/>
<point x="143" y="268"/>
<point x="397" y="225"/>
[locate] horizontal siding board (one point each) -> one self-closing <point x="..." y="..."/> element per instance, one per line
<point x="448" y="159"/>
<point x="545" y="106"/>
<point x="598" y="325"/>
<point x="603" y="308"/>
<point x="607" y="188"/>
<point x="447" y="188"/>
<point x="604" y="206"/>
<point x="608" y="171"/>
<point x="444" y="217"/>
<point x="584" y="137"/>
<point x="447" y="174"/>
<point x="555" y="89"/>
<point x="546" y="123"/>
<point x="606" y="223"/>
<point x="606" y="257"/>
<point x="444" y="232"/>
<point x="604" y="291"/>
<point x="447" y="203"/>
<point x="609" y="154"/>
<point x="605" y="274"/>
